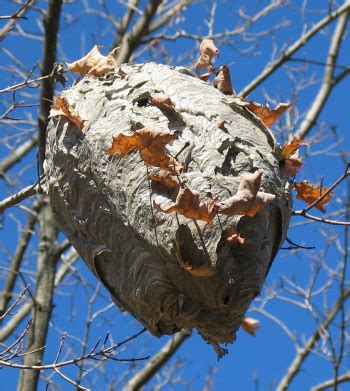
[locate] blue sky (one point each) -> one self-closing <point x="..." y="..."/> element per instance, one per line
<point x="267" y="355"/>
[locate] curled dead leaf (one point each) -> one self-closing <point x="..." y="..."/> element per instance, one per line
<point x="268" y="116"/>
<point x="207" y="51"/>
<point x="205" y="76"/>
<point x="193" y="259"/>
<point x="290" y="162"/>
<point x="220" y="123"/>
<point x="166" y="178"/>
<point x="290" y="148"/>
<point x="151" y="144"/>
<point x="188" y="204"/>
<point x="310" y="193"/>
<point x="291" y="165"/>
<point x="163" y="103"/>
<point x="248" y="200"/>
<point x="62" y="107"/>
<point x="223" y="80"/>
<point x="250" y="325"/>
<point x="95" y="63"/>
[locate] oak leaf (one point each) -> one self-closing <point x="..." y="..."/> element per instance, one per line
<point x="188" y="204"/>
<point x="223" y="80"/>
<point x="207" y="51"/>
<point x="62" y="107"/>
<point x="248" y="200"/>
<point x="309" y="194"/>
<point x="151" y="145"/>
<point x="95" y="63"/>
<point x="268" y="116"/>
<point x="250" y="325"/>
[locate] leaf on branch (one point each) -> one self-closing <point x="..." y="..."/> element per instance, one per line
<point x="290" y="162"/>
<point x="188" y="204"/>
<point x="268" y="116"/>
<point x="248" y="200"/>
<point x="309" y="194"/>
<point x="207" y="51"/>
<point x="62" y="107"/>
<point x="223" y="81"/>
<point x="250" y="325"/>
<point x="235" y="239"/>
<point x="166" y="178"/>
<point x="95" y="63"/>
<point x="151" y="144"/>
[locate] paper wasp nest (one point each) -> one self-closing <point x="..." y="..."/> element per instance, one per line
<point x="130" y="227"/>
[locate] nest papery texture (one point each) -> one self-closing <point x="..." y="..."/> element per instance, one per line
<point x="150" y="261"/>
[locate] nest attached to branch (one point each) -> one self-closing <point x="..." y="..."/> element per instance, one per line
<point x="188" y="251"/>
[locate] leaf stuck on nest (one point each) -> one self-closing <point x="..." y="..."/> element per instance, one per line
<point x="62" y="107"/>
<point x="95" y="63"/>
<point x="151" y="144"/>
<point x="268" y="116"/>
<point x="248" y="200"/>
<point x="207" y="51"/>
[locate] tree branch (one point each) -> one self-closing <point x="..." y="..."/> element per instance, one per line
<point x="302" y="353"/>
<point x="157" y="361"/>
<point x="271" y="68"/>
<point x="132" y="39"/>
<point x="18" y="256"/>
<point x="15" y="17"/>
<point x="328" y="79"/>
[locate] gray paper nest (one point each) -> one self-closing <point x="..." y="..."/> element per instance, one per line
<point x="104" y="203"/>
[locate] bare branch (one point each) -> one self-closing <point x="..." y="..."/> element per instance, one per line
<point x="157" y="361"/>
<point x="330" y="383"/>
<point x="132" y="39"/>
<point x="328" y="79"/>
<point x="20" y="196"/>
<point x="303" y="352"/>
<point x="271" y="68"/>
<point x="15" y="17"/>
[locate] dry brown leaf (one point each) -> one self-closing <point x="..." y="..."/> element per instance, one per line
<point x="207" y="50"/>
<point x="235" y="239"/>
<point x="268" y="116"/>
<point x="205" y="76"/>
<point x="163" y="103"/>
<point x="95" y="63"/>
<point x="223" y="81"/>
<point x="151" y="144"/>
<point x="291" y="165"/>
<point x="290" y="162"/>
<point x="166" y="178"/>
<point x="220" y="123"/>
<point x="61" y="107"/>
<point x="248" y="200"/>
<point x="188" y="204"/>
<point x="309" y="194"/>
<point x="290" y="148"/>
<point x="250" y="325"/>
